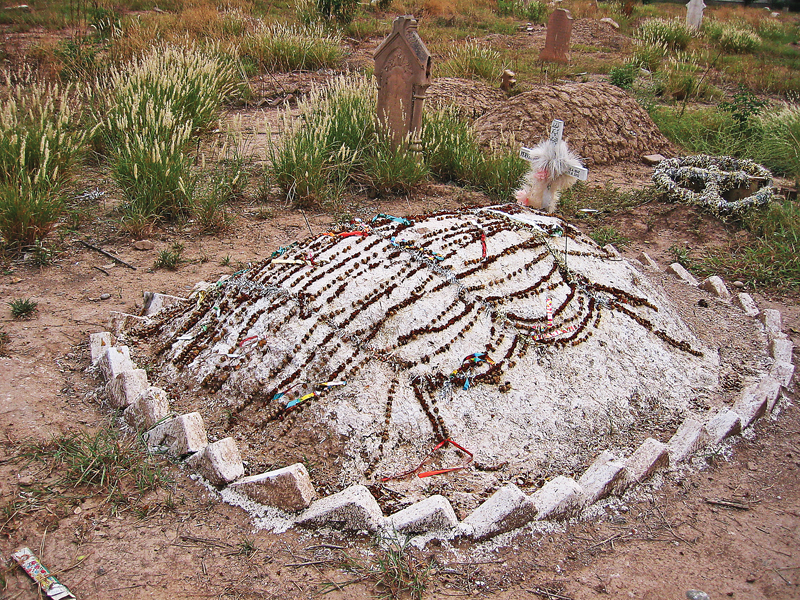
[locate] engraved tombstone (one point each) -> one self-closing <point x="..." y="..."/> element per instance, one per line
<point x="694" y="13"/>
<point x="559" y="30"/>
<point x="403" y="71"/>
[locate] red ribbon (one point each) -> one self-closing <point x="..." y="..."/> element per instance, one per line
<point x="438" y="471"/>
<point x="483" y="245"/>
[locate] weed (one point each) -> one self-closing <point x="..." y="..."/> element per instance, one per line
<point x="744" y="106"/>
<point x="609" y="235"/>
<point x="225" y="261"/>
<point x="731" y="38"/>
<point x="534" y="11"/>
<point x="601" y="199"/>
<point x="281" y="47"/>
<point x="649" y="54"/>
<point x="23" y="308"/>
<point x="780" y="142"/>
<point x="393" y="171"/>
<point x="246" y="548"/>
<point x="473" y="60"/>
<point x="681" y="255"/>
<point x="623" y="76"/>
<point x="41" y="255"/>
<point x="169" y="259"/>
<point x="675" y="33"/>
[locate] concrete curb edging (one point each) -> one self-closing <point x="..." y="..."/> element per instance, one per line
<point x="290" y="489"/>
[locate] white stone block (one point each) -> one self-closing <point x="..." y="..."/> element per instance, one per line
<point x="783" y="373"/>
<point x="219" y="462"/>
<point x="154" y="302"/>
<point x="681" y="273"/>
<point x="289" y="488"/>
<point x="649" y="457"/>
<point x="747" y="304"/>
<point x="757" y="399"/>
<point x="115" y="360"/>
<point x="689" y="437"/>
<point x="781" y="350"/>
<point x="98" y="344"/>
<point x="149" y="408"/>
<point x="126" y="387"/>
<point x="508" y="508"/>
<point x="181" y="435"/>
<point x="561" y="496"/>
<point x="771" y="319"/>
<point x="353" y="508"/>
<point x="432" y="514"/>
<point x="647" y="261"/>
<point x="722" y="425"/>
<point x="612" y="250"/>
<point x="604" y="476"/>
<point x="715" y="286"/>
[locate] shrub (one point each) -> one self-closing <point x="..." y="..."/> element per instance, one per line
<point x="682" y="78"/>
<point x="344" y="11"/>
<point x="534" y="11"/>
<point x="649" y="54"/>
<point x="473" y="60"/>
<point x="675" y="33"/>
<point x="732" y="38"/>
<point x="623" y="76"/>
<point x="40" y="140"/>
<point x="780" y="143"/>
<point x="287" y="48"/>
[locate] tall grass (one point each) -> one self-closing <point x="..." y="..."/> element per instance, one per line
<point x="282" y="47"/>
<point x="731" y="38"/>
<point x="473" y="60"/>
<point x="41" y="138"/>
<point x="675" y="33"/>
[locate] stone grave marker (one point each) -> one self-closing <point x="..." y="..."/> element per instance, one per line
<point x="403" y="71"/>
<point x="556" y="44"/>
<point x="694" y="13"/>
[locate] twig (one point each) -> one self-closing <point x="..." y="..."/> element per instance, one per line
<point x="101" y="270"/>
<point x="331" y="546"/>
<point x="605" y="541"/>
<point x="672" y="531"/>
<point x="199" y="540"/>
<point x="302" y="212"/>
<point x="727" y="503"/>
<point x="545" y="593"/>
<point x="309" y="563"/>
<point x="108" y="254"/>
<point x="128" y="587"/>
<point x="782" y="577"/>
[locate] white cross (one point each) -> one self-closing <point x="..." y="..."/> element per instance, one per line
<point x="556" y="131"/>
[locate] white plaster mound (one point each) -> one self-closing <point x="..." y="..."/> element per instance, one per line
<point x="375" y="335"/>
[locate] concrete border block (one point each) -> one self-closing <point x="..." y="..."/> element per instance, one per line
<point x="716" y="287"/>
<point x="354" y="509"/>
<point x="289" y="488"/>
<point x="687" y="439"/>
<point x="781" y="349"/>
<point x="747" y="304"/>
<point x="153" y="302"/>
<point x="149" y="408"/>
<point x="757" y="399"/>
<point x="647" y="261"/>
<point x="772" y="321"/>
<point x="722" y="425"/>
<point x="219" y="462"/>
<point x="649" y="457"/>
<point x="783" y="373"/>
<point x="682" y="274"/>
<point x="432" y="514"/>
<point x="98" y="344"/>
<point x="604" y="476"/>
<point x="126" y="387"/>
<point x="559" y="497"/>
<point x="508" y="508"/>
<point x="115" y="360"/>
<point x="182" y="435"/>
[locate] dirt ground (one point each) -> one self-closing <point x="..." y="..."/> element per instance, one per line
<point x="656" y="543"/>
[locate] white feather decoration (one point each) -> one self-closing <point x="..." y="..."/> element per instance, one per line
<point x="548" y="175"/>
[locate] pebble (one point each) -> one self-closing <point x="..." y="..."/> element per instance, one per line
<point x="105" y="296"/>
<point x="738" y="284"/>
<point x="697" y="595"/>
<point x="144" y="245"/>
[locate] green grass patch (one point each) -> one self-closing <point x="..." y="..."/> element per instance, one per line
<point x="281" y="48"/>
<point x="23" y="308"/>
<point x="607" y="234"/>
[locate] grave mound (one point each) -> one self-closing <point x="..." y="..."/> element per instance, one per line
<point x="505" y="331"/>
<point x="603" y="124"/>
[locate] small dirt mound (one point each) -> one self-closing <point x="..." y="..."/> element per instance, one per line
<point x="472" y="98"/>
<point x="601" y="122"/>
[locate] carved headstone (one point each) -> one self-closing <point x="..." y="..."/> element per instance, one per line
<point x="556" y="44"/>
<point x="403" y="71"/>
<point x="694" y="13"/>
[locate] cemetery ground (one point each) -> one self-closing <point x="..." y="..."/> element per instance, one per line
<point x="112" y="522"/>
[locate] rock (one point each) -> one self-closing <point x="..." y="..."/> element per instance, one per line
<point x="747" y="304"/>
<point x="653" y="159"/>
<point x="154" y="302"/>
<point x="689" y="437"/>
<point x="432" y="514"/>
<point x="697" y="595"/>
<point x="181" y="435"/>
<point x="143" y="245"/>
<point x="561" y="496"/>
<point x="98" y="344"/>
<point x="757" y="399"/>
<point x="722" y="425"/>
<point x="508" y="508"/>
<point x="649" y="457"/>
<point x="615" y="25"/>
<point x="115" y="360"/>
<point x="604" y="475"/>
<point x="611" y="250"/>
<point x="677" y="270"/>
<point x="781" y="350"/>
<point x="105" y="296"/>
<point x="149" y="408"/>
<point x="289" y="488"/>
<point x="783" y="373"/>
<point x="715" y="286"/>
<point x="126" y="387"/>
<point x="645" y="259"/>
<point x="219" y="462"/>
<point x="353" y="509"/>
<point x="771" y="319"/>
<point x="738" y="284"/>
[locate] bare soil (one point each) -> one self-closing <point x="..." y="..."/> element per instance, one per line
<point x="658" y="542"/>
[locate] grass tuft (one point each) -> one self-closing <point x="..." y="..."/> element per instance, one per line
<point x="609" y="235"/>
<point x="280" y="47"/>
<point x="23" y="308"/>
<point x="169" y="259"/>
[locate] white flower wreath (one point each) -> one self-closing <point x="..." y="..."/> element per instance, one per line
<point x="677" y="177"/>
